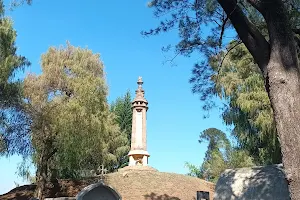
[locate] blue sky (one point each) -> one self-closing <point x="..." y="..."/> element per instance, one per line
<point x="113" y="29"/>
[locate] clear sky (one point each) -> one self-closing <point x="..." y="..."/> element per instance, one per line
<point x="112" y="28"/>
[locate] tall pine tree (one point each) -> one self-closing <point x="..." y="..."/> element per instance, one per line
<point x="121" y="107"/>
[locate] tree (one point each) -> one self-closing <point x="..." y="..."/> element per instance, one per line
<point x="24" y="170"/>
<point x="13" y="121"/>
<point x="274" y="51"/>
<point x="72" y="127"/>
<point x="16" y="3"/>
<point x="123" y="111"/>
<point x="220" y="155"/>
<point x="240" y="84"/>
<point x="121" y="107"/>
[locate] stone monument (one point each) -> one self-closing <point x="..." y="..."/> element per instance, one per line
<point x="138" y="155"/>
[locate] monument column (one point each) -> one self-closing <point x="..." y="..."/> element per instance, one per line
<point x="138" y="154"/>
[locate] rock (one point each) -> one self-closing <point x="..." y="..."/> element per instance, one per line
<point x="257" y="183"/>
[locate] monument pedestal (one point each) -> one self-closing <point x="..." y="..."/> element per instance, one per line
<point x="138" y="157"/>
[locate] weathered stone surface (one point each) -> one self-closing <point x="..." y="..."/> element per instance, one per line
<point x="257" y="183"/>
<point x="98" y="191"/>
<point x="61" y="198"/>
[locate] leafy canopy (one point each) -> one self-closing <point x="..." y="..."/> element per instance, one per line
<point x="228" y="70"/>
<point x="13" y="122"/>
<point x="239" y="83"/>
<point x="121" y="107"/>
<point x="123" y="111"/>
<point x="72" y="126"/>
<point x="220" y="155"/>
<point x="204" y="26"/>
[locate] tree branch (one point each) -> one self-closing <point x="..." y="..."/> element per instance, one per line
<point x="228" y="51"/>
<point x="223" y="30"/>
<point x="173" y="58"/>
<point x="257" y="4"/>
<point x="296" y="30"/>
<point x="248" y="33"/>
<point x="51" y="154"/>
<point x="280" y="32"/>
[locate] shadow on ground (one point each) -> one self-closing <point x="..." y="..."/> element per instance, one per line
<point x="154" y="196"/>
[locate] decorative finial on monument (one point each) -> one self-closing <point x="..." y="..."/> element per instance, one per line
<point x="140" y="82"/>
<point x="140" y="91"/>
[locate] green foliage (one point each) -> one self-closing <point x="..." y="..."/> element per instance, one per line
<point x="240" y="83"/>
<point x="2" y="144"/>
<point x="193" y="170"/>
<point x="9" y="62"/>
<point x="24" y="170"/>
<point x="72" y="127"/>
<point x="123" y="111"/>
<point x="16" y="3"/>
<point x="213" y="168"/>
<point x="216" y="138"/>
<point x="203" y="26"/>
<point x="13" y="122"/>
<point x="220" y="155"/>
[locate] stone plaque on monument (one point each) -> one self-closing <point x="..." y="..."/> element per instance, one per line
<point x="98" y="191"/>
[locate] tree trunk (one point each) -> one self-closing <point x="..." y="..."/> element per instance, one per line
<point x="284" y="94"/>
<point x="278" y="62"/>
<point x="41" y="176"/>
<point x="283" y="78"/>
<point x="42" y="171"/>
